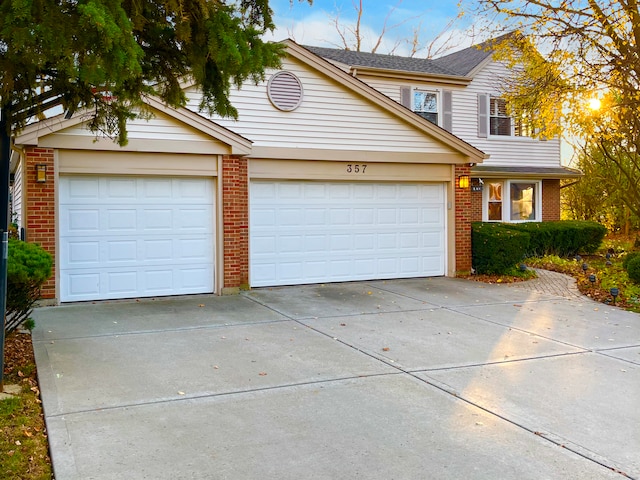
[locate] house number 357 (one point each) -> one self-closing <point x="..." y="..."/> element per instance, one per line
<point x="356" y="168"/>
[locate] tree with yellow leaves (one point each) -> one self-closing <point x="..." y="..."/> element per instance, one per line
<point x="569" y="53"/>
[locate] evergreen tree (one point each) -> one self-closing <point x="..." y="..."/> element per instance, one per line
<point x="106" y="54"/>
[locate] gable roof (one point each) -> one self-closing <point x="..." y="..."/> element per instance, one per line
<point x="462" y="63"/>
<point x="385" y="62"/>
<point x="237" y="144"/>
<point x="319" y="63"/>
<point x="466" y="61"/>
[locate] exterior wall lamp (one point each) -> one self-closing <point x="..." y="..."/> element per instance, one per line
<point x="41" y="173"/>
<point x="463" y="181"/>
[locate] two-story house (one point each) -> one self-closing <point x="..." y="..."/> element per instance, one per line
<point x="461" y="93"/>
<point x="325" y="176"/>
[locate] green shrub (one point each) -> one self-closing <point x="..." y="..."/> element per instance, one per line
<point x="628" y="257"/>
<point x="633" y="269"/>
<point x="562" y="237"/>
<point x="28" y="267"/>
<point x="497" y="249"/>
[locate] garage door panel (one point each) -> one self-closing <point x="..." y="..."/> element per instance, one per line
<point x="356" y="231"/>
<point x="158" y="244"/>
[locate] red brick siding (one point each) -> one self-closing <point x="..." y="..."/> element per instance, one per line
<point x="40" y="205"/>
<point x="550" y="200"/>
<point x="463" y="213"/>
<point x="235" y="200"/>
<point x="476" y="203"/>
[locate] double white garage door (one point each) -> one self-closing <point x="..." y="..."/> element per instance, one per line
<point x="311" y="232"/>
<point x="126" y="237"/>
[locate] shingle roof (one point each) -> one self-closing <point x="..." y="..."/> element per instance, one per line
<point x="385" y="62"/>
<point x="458" y="64"/>
<point x="464" y="61"/>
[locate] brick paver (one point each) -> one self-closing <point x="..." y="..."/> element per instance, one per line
<point x="553" y="283"/>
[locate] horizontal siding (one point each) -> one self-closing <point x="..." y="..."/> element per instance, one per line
<point x="16" y="196"/>
<point x="160" y="127"/>
<point x="330" y="114"/>
<point x="511" y="151"/>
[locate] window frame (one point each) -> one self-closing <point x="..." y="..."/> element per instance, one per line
<point x="519" y="127"/>
<point x="438" y="96"/>
<point x="507" y="201"/>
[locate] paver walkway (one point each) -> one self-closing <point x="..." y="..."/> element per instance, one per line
<point x="553" y="283"/>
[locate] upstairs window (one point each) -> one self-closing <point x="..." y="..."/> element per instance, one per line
<point x="433" y="105"/>
<point x="494" y="119"/>
<point x="425" y="104"/>
<point x="499" y="121"/>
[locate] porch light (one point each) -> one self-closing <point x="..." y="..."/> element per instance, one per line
<point x="41" y="173"/>
<point x="463" y="181"/>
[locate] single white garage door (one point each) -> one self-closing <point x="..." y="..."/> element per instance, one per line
<point x="311" y="232"/>
<point x="127" y="237"/>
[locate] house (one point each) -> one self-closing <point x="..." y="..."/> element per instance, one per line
<point x="460" y="92"/>
<point x="324" y="177"/>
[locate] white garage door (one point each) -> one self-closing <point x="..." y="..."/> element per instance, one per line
<point x="126" y="237"/>
<point x="310" y="232"/>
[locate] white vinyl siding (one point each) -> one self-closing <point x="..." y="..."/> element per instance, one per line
<point x="311" y="232"/>
<point x="159" y="127"/>
<point x="128" y="236"/>
<point x="329" y="117"/>
<point x="465" y="104"/>
<point x="16" y="197"/>
<point x="504" y="151"/>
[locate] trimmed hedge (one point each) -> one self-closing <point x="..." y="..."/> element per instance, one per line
<point x="562" y="238"/>
<point x="497" y="248"/>
<point x="28" y="267"/>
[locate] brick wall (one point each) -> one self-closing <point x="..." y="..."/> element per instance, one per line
<point x="550" y="200"/>
<point x="463" y="212"/>
<point x="235" y="211"/>
<point x="40" y="205"/>
<point x="476" y="202"/>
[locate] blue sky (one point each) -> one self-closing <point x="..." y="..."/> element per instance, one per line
<point x="311" y="24"/>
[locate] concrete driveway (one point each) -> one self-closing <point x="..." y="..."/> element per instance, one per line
<point x="406" y="379"/>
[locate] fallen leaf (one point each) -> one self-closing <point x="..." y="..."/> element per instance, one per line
<point x="201" y="305"/>
<point x="343" y="324"/>
<point x="385" y="349"/>
<point x="27" y="434"/>
<point x="180" y="393"/>
<point x="263" y="374"/>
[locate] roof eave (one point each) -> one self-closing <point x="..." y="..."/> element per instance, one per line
<point x="525" y="172"/>
<point x="411" y="75"/>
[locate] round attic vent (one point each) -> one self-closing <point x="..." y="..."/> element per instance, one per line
<point x="285" y="91"/>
